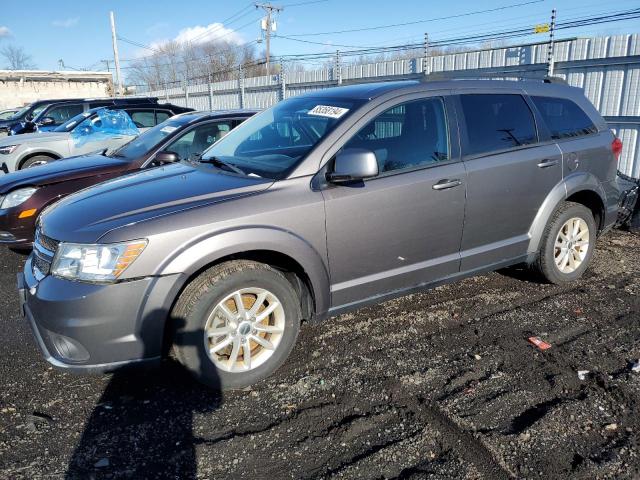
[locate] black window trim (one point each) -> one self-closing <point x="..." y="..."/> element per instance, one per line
<point x="464" y="137"/>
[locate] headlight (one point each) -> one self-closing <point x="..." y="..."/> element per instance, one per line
<point x="7" y="149"/>
<point x="17" y="197"/>
<point x="95" y="263"/>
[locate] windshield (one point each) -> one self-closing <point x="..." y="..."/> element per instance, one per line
<point x="72" y="122"/>
<point x="150" y="139"/>
<point x="273" y="143"/>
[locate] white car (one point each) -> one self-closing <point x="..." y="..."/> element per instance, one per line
<point x="91" y="131"/>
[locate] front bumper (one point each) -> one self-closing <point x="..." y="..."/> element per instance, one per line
<point x="92" y="328"/>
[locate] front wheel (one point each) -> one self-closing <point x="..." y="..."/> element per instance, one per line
<point x="236" y="324"/>
<point x="36" y="161"/>
<point x="568" y="243"/>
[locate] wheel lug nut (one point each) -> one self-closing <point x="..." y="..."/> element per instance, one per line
<point x="254" y="331"/>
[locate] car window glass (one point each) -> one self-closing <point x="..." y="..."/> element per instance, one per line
<point x="36" y="111"/>
<point x="564" y="118"/>
<point x="62" y="113"/>
<point x="162" y="116"/>
<point x="196" y="141"/>
<point x="143" y="118"/>
<point x="406" y="136"/>
<point x="497" y="122"/>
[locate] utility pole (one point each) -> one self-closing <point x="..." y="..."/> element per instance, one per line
<point x="116" y="58"/>
<point x="550" y="60"/>
<point x="106" y="63"/>
<point x="268" y="26"/>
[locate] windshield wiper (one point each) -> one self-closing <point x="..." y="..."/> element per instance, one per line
<point x="221" y="164"/>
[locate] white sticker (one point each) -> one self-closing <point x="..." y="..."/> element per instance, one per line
<point x="168" y="129"/>
<point x="328" y="111"/>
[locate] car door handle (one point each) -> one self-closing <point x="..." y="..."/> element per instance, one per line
<point x="446" y="183"/>
<point x="548" y="162"/>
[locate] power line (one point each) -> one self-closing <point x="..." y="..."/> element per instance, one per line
<point x="573" y="23"/>
<point x="416" y="22"/>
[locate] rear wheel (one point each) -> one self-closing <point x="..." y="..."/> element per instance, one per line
<point x="236" y="324"/>
<point x="567" y="244"/>
<point x="36" y="161"/>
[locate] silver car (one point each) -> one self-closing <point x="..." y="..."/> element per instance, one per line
<point x="321" y="204"/>
<point x="91" y="131"/>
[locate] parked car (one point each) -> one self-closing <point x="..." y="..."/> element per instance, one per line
<point x="321" y="204"/>
<point x="84" y="133"/>
<point x="24" y="194"/>
<point x="8" y="113"/>
<point x="26" y="113"/>
<point x="56" y="114"/>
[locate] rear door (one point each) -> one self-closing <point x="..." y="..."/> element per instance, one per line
<point x="583" y="148"/>
<point x="402" y="228"/>
<point x="510" y="172"/>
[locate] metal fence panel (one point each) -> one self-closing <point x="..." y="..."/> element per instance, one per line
<point x="606" y="68"/>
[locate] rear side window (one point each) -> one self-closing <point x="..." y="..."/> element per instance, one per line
<point x="143" y="118"/>
<point x="564" y="118"/>
<point x="497" y="122"/>
<point x="161" y="116"/>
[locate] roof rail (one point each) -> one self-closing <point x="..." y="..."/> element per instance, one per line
<point x="458" y="75"/>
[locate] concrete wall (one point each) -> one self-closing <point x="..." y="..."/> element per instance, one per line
<point x="19" y="87"/>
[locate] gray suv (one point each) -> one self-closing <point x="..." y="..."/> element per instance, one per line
<point x="321" y="204"/>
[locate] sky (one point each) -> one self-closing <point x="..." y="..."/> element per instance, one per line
<point x="78" y="32"/>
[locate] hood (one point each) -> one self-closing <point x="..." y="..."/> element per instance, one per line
<point x="62" y="170"/>
<point x="4" y="124"/>
<point x="32" y="138"/>
<point x="86" y="216"/>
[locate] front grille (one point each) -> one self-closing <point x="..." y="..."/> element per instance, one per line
<point x="47" y="243"/>
<point x="44" y="249"/>
<point x="41" y="266"/>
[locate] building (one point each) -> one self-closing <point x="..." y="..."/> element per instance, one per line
<point x="20" y="87"/>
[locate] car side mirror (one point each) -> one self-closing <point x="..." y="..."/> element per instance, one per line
<point x="353" y="164"/>
<point x="167" y="157"/>
<point x="47" y="121"/>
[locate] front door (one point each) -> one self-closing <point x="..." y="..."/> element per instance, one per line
<point x="402" y="228"/>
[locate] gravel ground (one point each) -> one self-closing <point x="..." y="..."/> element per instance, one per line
<point x="441" y="384"/>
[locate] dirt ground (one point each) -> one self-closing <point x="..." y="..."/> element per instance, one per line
<point x="441" y="384"/>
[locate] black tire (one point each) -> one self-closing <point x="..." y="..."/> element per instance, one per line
<point x="198" y="300"/>
<point x="545" y="263"/>
<point x="36" y="161"/>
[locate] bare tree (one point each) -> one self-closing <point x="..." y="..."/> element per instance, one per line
<point x="15" y="58"/>
<point x="174" y="62"/>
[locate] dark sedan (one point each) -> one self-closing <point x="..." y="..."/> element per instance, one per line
<point x="24" y="194"/>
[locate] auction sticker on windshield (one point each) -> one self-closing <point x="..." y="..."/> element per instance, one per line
<point x="328" y="111"/>
<point x="168" y="129"/>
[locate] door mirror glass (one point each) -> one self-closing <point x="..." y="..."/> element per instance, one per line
<point x="353" y="164"/>
<point x="167" y="157"/>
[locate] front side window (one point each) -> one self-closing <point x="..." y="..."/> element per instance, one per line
<point x="564" y="118"/>
<point x="149" y="140"/>
<point x="272" y="143"/>
<point x="193" y="143"/>
<point x="497" y="122"/>
<point x="409" y="135"/>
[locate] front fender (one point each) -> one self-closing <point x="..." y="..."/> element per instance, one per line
<point x="573" y="183"/>
<point x="200" y="252"/>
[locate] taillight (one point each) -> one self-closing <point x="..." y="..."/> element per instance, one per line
<point x="616" y="148"/>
